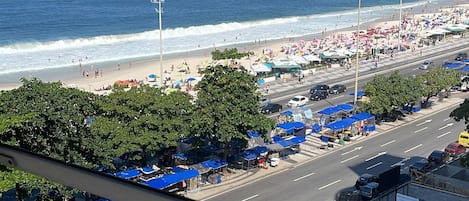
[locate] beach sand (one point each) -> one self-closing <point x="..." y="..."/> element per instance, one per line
<point x="139" y="70"/>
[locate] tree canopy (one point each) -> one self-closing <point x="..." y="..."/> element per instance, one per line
<point x="228" y="106"/>
<point x="438" y="79"/>
<point x="229" y="54"/>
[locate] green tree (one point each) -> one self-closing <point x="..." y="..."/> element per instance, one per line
<point x="47" y="119"/>
<point x="227" y="106"/>
<point x="142" y="118"/>
<point x="229" y="54"/>
<point x="438" y="79"/>
<point x="461" y="113"/>
<point x="387" y="93"/>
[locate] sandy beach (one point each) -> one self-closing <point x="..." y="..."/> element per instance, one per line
<point x="93" y="79"/>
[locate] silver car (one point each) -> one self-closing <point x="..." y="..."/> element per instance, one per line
<point x="263" y="101"/>
<point x="426" y="65"/>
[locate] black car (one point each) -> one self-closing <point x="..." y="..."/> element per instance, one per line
<point x="461" y="56"/>
<point x="364" y="179"/>
<point x="438" y="157"/>
<point x="319" y="95"/>
<point x="319" y="87"/>
<point x="271" y="108"/>
<point x="337" y="89"/>
<point x="421" y="166"/>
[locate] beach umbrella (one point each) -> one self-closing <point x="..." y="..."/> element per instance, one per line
<point x="191" y="79"/>
<point x="152" y="76"/>
<point x="177" y="83"/>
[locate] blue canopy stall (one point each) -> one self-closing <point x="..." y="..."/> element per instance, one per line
<point x="366" y="121"/>
<point x="128" y="174"/>
<point x="168" y="180"/>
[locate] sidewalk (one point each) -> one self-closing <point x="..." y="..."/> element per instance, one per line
<point x="310" y="151"/>
<point x="279" y="85"/>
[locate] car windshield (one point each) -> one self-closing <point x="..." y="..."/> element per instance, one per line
<point x="295" y="99"/>
<point x="451" y="146"/>
<point x="426" y="63"/>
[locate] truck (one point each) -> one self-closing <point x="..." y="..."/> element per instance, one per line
<point x="384" y="182"/>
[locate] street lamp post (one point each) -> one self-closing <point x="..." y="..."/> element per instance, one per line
<point x="355" y="95"/>
<point x="400" y="26"/>
<point x="159" y="10"/>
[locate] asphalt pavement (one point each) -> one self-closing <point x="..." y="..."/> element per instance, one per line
<point x="316" y="174"/>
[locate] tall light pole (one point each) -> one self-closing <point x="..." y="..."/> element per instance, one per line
<point x="159" y="10"/>
<point x="355" y="95"/>
<point x="400" y="26"/>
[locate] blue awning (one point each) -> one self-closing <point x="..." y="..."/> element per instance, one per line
<point x="362" y="116"/>
<point x="316" y="128"/>
<point x="276" y="138"/>
<point x="259" y="150"/>
<point x="180" y="156"/>
<point x="453" y="65"/>
<point x="248" y="155"/>
<point x="148" y="170"/>
<point x="339" y="125"/>
<point x="297" y="139"/>
<point x="359" y="94"/>
<point x="128" y="174"/>
<point x="253" y="134"/>
<point x="287" y="112"/>
<point x="330" y="111"/>
<point x="285" y="143"/>
<point x="213" y="164"/>
<point x="298" y="125"/>
<point x="288" y="126"/>
<point x="465" y="69"/>
<point x="171" y="179"/>
<point x="346" y="107"/>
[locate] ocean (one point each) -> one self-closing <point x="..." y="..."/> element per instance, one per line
<point x="49" y="35"/>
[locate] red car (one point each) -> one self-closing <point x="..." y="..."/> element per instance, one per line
<point x="455" y="149"/>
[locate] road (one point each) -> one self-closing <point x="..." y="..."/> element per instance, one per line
<point x="322" y="178"/>
<point x="347" y="77"/>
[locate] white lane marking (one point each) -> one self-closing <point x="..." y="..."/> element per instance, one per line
<point x="388" y="143"/>
<point x="400" y="162"/>
<point x="250" y="197"/>
<point x="413" y="148"/>
<point x="446" y="126"/>
<point x="376" y="156"/>
<point x="300" y="178"/>
<point x="424" y="122"/>
<point x="356" y="148"/>
<point x="373" y="166"/>
<point x="330" y="184"/>
<point x="420" y="129"/>
<point x="439" y="136"/>
<point x="349" y="159"/>
<point x="446" y="119"/>
<point x="337" y="97"/>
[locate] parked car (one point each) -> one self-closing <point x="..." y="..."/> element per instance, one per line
<point x="319" y="87"/>
<point x="364" y="179"/>
<point x="455" y="148"/>
<point x="297" y="101"/>
<point x="271" y="108"/>
<point x="319" y="95"/>
<point x="426" y="65"/>
<point x="421" y="166"/>
<point x="438" y="157"/>
<point x="337" y="89"/>
<point x="461" y="56"/>
<point x="263" y="101"/>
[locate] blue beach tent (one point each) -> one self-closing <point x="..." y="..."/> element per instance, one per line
<point x="128" y="174"/>
<point x="171" y="179"/>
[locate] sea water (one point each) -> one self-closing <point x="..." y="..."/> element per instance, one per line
<point x="45" y="36"/>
